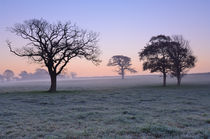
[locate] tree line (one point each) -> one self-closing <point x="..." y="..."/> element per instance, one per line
<point x="54" y="45"/>
<point x="9" y="75"/>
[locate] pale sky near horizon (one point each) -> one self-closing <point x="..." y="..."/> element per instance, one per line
<point x="125" y="26"/>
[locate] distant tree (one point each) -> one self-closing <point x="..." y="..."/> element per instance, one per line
<point x="63" y="74"/>
<point x="1" y="78"/>
<point x="54" y="45"/>
<point x="8" y="75"/>
<point x="24" y="75"/>
<point x="40" y="74"/>
<point x="155" y="55"/>
<point x="16" y="78"/>
<point x="73" y="75"/>
<point x="123" y="64"/>
<point x="181" y="57"/>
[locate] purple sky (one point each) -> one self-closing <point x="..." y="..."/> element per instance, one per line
<point x="125" y="26"/>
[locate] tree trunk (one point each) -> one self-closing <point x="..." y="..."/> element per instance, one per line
<point x="53" y="82"/>
<point x="122" y="76"/>
<point x="123" y="73"/>
<point x="164" y="79"/>
<point x="178" y="81"/>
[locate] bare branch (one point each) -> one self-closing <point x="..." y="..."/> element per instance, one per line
<point x="55" y="44"/>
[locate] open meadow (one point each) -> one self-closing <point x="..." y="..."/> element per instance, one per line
<point x="136" y="107"/>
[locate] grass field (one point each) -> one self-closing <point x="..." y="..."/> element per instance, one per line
<point x="137" y="107"/>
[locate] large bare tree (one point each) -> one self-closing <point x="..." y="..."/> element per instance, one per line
<point x="54" y="45"/>
<point x="123" y="64"/>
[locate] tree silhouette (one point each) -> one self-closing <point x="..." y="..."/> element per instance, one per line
<point x="8" y="75"/>
<point x="155" y="55"/>
<point x="181" y="57"/>
<point x="24" y="75"/>
<point x="123" y="64"/>
<point x="54" y="45"/>
<point x="40" y="74"/>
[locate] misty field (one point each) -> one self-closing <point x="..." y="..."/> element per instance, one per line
<point x="137" y="107"/>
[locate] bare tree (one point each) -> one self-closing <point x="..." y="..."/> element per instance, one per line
<point x="54" y="45"/>
<point x="181" y="57"/>
<point x="123" y="64"/>
<point x="8" y="75"/>
<point x="155" y="55"/>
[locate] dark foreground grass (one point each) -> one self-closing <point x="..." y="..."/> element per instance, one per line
<point x="133" y="112"/>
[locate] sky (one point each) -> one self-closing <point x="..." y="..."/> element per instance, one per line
<point x="125" y="27"/>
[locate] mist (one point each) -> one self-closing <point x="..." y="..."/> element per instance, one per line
<point x="100" y="83"/>
<point x="104" y="69"/>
